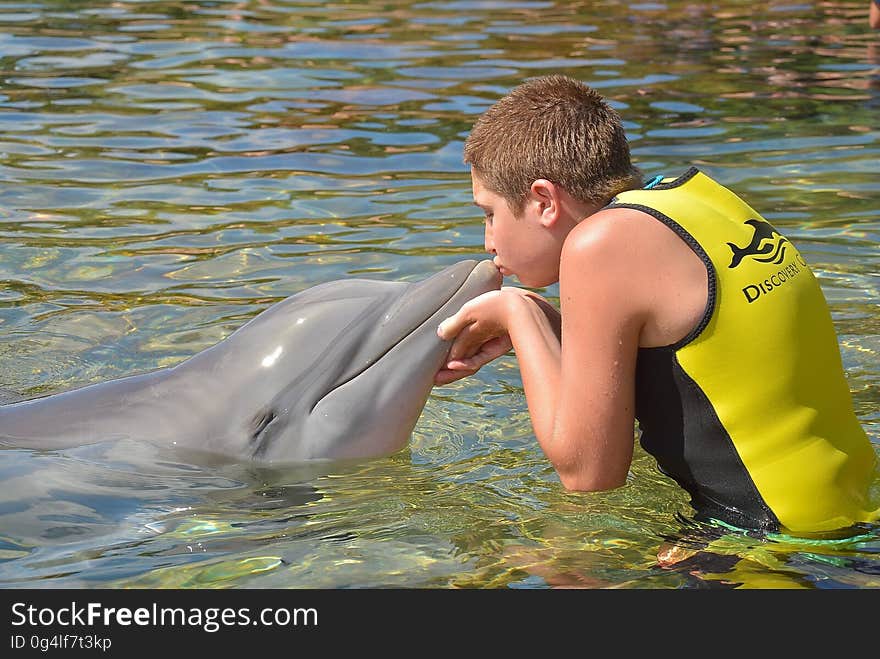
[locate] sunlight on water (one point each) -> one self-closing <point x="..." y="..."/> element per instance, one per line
<point x="170" y="170"/>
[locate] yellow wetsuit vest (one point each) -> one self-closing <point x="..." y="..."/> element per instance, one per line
<point x="751" y="412"/>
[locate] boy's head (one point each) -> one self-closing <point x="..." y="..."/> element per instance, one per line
<point x="555" y="128"/>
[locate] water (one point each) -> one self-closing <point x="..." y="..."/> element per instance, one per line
<point x="168" y="170"/>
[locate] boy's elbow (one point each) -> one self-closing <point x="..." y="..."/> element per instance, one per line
<point x="580" y="481"/>
<point x="582" y="470"/>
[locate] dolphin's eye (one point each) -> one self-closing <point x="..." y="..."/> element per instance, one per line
<point x="258" y="426"/>
<point x="262" y="420"/>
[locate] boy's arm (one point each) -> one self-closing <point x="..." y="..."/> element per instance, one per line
<point x="590" y="437"/>
<point x="580" y="391"/>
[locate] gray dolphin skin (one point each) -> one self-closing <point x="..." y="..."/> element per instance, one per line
<point x="340" y="370"/>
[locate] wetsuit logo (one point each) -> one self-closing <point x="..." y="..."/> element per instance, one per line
<point x="763" y="247"/>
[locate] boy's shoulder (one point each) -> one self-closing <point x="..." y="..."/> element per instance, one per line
<point x="628" y="246"/>
<point x="614" y="229"/>
<point x="623" y="263"/>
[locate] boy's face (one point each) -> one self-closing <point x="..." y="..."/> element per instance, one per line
<point x="521" y="245"/>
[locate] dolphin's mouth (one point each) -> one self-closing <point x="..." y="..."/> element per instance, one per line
<point x="481" y="277"/>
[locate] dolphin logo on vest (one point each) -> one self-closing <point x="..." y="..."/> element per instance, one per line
<point x="762" y="247"/>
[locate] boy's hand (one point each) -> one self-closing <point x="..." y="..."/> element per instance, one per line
<point x="479" y="335"/>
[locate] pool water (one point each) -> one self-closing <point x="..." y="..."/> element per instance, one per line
<point x="168" y="170"/>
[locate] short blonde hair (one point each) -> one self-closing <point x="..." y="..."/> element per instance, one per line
<point x="556" y="128"/>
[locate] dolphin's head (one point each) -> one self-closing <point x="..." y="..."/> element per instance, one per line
<point x="342" y="369"/>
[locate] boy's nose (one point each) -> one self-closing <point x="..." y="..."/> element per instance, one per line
<point x="488" y="240"/>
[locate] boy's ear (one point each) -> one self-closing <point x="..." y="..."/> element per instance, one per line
<point x="545" y="194"/>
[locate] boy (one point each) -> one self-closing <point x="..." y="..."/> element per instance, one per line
<point x="680" y="306"/>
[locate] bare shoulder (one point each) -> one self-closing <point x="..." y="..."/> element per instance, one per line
<point x="617" y="239"/>
<point x="615" y="228"/>
<point x="602" y="259"/>
<point x="631" y="265"/>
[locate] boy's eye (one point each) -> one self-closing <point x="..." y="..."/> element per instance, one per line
<point x="489" y="217"/>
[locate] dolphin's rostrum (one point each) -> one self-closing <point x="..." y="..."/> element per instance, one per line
<point x="339" y="370"/>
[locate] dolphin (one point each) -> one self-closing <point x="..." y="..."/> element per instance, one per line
<point x="757" y="247"/>
<point x="340" y="370"/>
